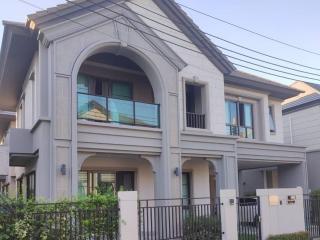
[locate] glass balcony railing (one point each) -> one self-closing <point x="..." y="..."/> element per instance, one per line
<point x="102" y="109"/>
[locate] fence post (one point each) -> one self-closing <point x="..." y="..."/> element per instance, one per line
<point x="128" y="204"/>
<point x="229" y="219"/>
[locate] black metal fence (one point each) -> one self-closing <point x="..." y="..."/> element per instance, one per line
<point x="51" y="221"/>
<point x="312" y="215"/>
<point x="164" y="219"/>
<point x="249" y="222"/>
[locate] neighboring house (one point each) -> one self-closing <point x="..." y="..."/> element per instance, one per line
<point x="102" y="102"/>
<point x="302" y="126"/>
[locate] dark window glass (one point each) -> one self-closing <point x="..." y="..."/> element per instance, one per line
<point x="102" y="182"/>
<point x="190" y="99"/>
<point x="121" y="90"/>
<point x="186" y="188"/>
<point x="98" y="87"/>
<point x="31" y="185"/>
<point x="271" y="120"/>
<point x="125" y="181"/>
<point x="20" y="187"/>
<point x="83" y="84"/>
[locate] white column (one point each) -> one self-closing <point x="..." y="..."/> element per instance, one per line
<point x="229" y="214"/>
<point x="128" y="204"/>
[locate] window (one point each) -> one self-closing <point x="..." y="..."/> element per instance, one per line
<point x="20" y="187"/>
<point x="31" y="185"/>
<point x="83" y="84"/>
<point x="272" y="120"/>
<point x="121" y="90"/>
<point x="93" y="182"/>
<point x="239" y="119"/>
<point x="186" y="185"/>
<point x="194" y="106"/>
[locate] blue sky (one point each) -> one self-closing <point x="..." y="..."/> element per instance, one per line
<point x="292" y="21"/>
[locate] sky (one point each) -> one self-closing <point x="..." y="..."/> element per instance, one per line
<point x="292" y="21"/>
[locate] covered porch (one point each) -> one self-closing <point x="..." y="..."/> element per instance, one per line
<point x="101" y="173"/>
<point x="270" y="165"/>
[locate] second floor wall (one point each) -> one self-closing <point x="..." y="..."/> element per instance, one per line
<point x="192" y="87"/>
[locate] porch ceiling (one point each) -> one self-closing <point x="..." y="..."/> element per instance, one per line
<point x="246" y="165"/>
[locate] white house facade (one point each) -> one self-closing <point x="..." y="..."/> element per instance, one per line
<point x="131" y="95"/>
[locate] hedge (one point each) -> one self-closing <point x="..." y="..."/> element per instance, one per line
<point x="92" y="217"/>
<point x="292" y="236"/>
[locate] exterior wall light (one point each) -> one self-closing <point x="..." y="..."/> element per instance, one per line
<point x="274" y="200"/>
<point x="177" y="172"/>
<point x="63" y="169"/>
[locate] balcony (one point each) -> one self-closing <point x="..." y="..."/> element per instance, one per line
<point x="118" y="111"/>
<point x="20" y="143"/>
<point x="195" y="120"/>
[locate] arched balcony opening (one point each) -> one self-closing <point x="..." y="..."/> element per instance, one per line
<point x="112" y="88"/>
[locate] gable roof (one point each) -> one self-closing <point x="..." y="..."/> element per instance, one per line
<point x="301" y="103"/>
<point x="172" y="10"/>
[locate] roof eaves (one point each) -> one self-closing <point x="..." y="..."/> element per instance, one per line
<point x="250" y="81"/>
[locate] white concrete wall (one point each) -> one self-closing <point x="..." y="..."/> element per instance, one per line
<point x="229" y="218"/>
<point x="199" y="170"/>
<point x="281" y="217"/>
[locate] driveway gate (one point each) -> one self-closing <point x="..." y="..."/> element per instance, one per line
<point x="312" y="215"/>
<point x="249" y="220"/>
<point x="189" y="219"/>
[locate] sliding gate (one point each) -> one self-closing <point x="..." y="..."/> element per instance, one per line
<point x="189" y="219"/>
<point x="249" y="220"/>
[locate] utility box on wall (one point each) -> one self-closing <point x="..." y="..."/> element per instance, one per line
<point x="282" y="211"/>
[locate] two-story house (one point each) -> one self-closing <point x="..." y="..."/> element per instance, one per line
<point x="301" y="117"/>
<point x="132" y="95"/>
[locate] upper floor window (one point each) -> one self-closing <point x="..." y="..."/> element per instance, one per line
<point x="239" y="119"/>
<point x="195" y="106"/>
<point x="272" y="120"/>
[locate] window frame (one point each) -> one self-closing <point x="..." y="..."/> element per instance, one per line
<point x="205" y="109"/>
<point x="238" y="126"/>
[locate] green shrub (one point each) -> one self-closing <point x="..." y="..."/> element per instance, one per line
<point x="201" y="227"/>
<point x="84" y="217"/>
<point x="292" y="236"/>
<point x="315" y="194"/>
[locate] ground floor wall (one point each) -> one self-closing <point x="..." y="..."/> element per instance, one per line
<point x="313" y="164"/>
